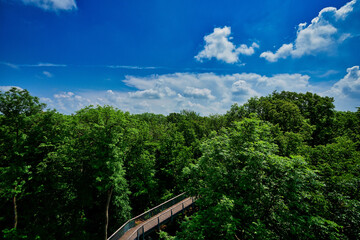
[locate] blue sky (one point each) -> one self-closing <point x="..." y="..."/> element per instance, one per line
<point x="164" y="56"/>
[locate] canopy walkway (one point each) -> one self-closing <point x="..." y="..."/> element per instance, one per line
<point x="137" y="227"/>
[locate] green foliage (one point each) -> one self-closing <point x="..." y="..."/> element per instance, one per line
<point x="98" y="150"/>
<point x="339" y="165"/>
<point x="13" y="234"/>
<point x="17" y="109"/>
<point x="140" y="165"/>
<point x="165" y="236"/>
<point x="289" y="110"/>
<point x="247" y="191"/>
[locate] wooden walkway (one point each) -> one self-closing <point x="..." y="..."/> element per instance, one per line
<point x="144" y="226"/>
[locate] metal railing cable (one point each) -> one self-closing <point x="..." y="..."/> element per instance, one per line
<point x="146" y="215"/>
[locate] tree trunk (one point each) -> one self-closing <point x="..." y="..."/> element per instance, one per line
<point x="15" y="213"/>
<point x="109" y="193"/>
<point x="14" y="198"/>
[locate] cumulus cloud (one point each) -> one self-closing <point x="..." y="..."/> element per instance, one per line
<point x="198" y="93"/>
<point x="148" y="93"/>
<point x="349" y="86"/>
<point x="290" y="82"/>
<point x="53" y="5"/>
<point x="68" y="102"/>
<point x="245" y="50"/>
<point x="283" y="52"/>
<point x="241" y="89"/>
<point x="331" y="27"/>
<point x="219" y="46"/>
<point x="346" y="91"/>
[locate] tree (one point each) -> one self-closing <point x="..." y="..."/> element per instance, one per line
<point x="99" y="148"/>
<point x="246" y="191"/>
<point x="172" y="155"/>
<point x="319" y="110"/>
<point x="140" y="163"/>
<point x="17" y="107"/>
<point x="94" y="149"/>
<point x="289" y="110"/>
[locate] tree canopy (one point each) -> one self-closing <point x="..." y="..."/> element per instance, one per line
<point x="283" y="166"/>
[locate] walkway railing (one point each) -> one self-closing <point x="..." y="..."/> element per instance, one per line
<point x="160" y="219"/>
<point x="145" y="216"/>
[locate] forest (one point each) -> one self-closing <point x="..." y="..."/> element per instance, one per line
<point x="282" y="166"/>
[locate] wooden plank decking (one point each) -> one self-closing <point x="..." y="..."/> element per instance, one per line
<point x="156" y="220"/>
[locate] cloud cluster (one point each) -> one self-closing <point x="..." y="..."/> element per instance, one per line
<point x="53" y="5"/>
<point x="69" y="102"/>
<point x="206" y="93"/>
<point x="219" y="46"/>
<point x="331" y="27"/>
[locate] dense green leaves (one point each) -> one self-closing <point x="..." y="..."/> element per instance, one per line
<point x="246" y="191"/>
<point x="289" y="109"/>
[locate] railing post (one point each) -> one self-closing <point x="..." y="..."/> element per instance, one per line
<point x="143" y="232"/>
<point x="138" y="234"/>
<point x="171" y="215"/>
<point x="159" y="223"/>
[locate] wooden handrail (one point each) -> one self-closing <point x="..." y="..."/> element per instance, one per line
<point x="148" y="211"/>
<point x="158" y="217"/>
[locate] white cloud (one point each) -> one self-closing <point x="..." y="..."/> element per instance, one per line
<point x="283" y="52"/>
<point x="17" y="66"/>
<point x="47" y="74"/>
<point x="290" y="82"/>
<point x="42" y="65"/>
<point x="132" y="67"/>
<point x="68" y="102"/>
<point x="10" y="65"/>
<point x="245" y="50"/>
<point x="328" y="73"/>
<point x="346" y="91"/>
<point x="7" y="88"/>
<point x="148" y="93"/>
<point x="53" y="5"/>
<point x="349" y="86"/>
<point x="242" y="89"/>
<point x="331" y="27"/>
<point x="219" y="46"/>
<point x="64" y="95"/>
<point x="198" y="93"/>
